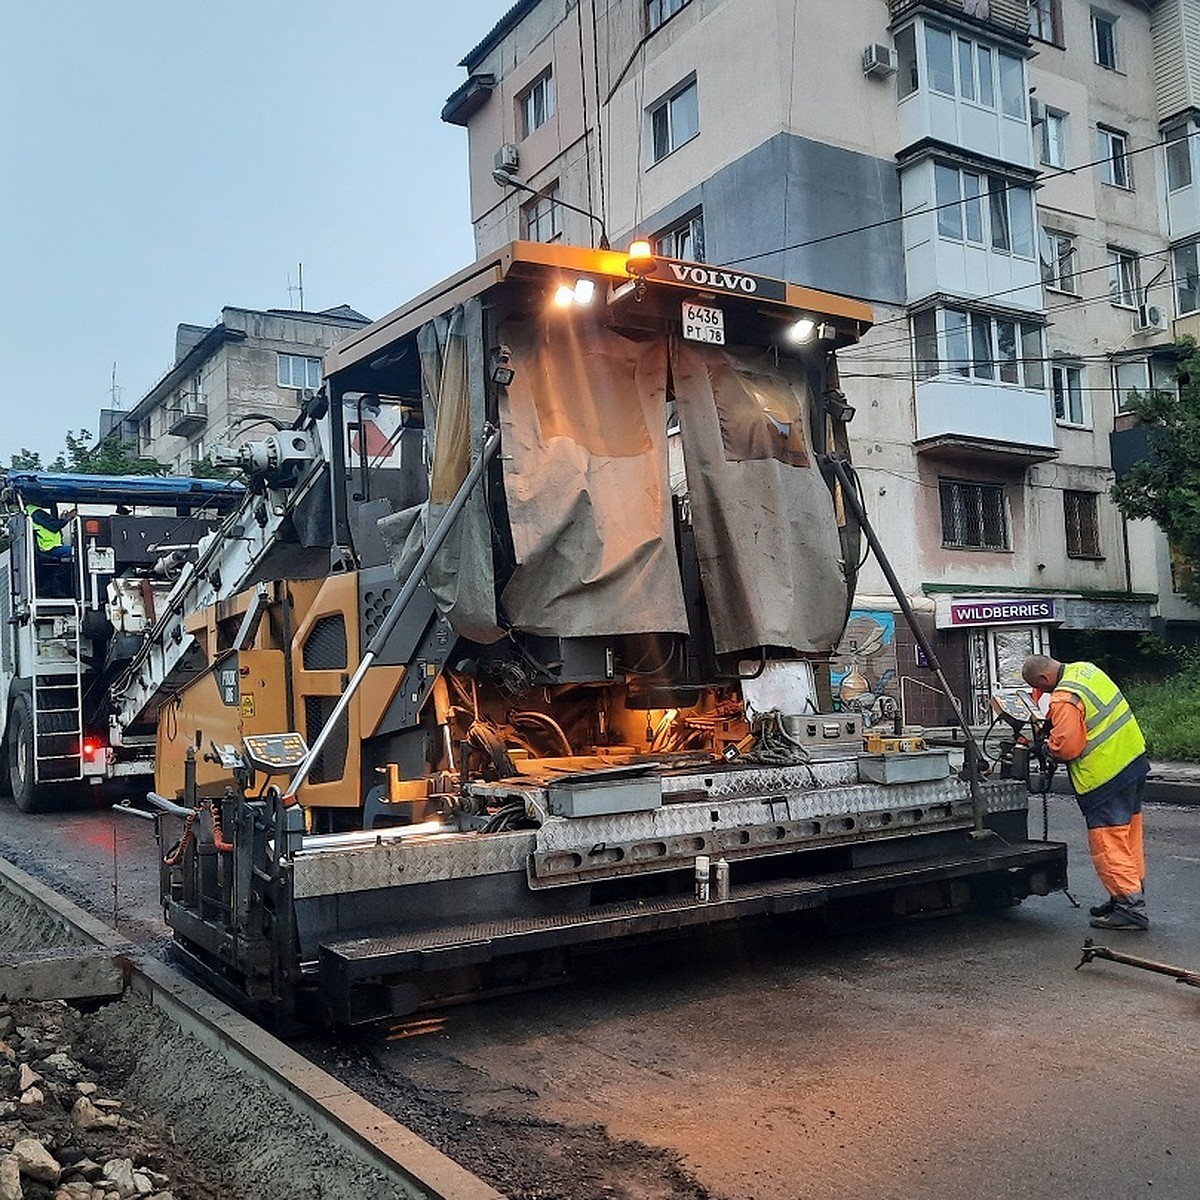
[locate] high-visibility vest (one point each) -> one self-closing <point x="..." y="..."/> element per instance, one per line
<point x="47" y="539"/>
<point x="1114" y="739"/>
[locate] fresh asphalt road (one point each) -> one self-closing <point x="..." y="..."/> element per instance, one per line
<point x="936" y="1060"/>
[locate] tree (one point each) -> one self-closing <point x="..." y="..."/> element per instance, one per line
<point x="205" y="468"/>
<point x="108" y="456"/>
<point x="26" y="460"/>
<point x="1164" y="487"/>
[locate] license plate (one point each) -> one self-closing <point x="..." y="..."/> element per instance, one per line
<point x="101" y="560"/>
<point x="703" y="323"/>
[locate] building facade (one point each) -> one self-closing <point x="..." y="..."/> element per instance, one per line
<point x="1014" y="185"/>
<point x="226" y="379"/>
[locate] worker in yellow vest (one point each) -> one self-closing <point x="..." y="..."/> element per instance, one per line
<point x="52" y="554"/>
<point x="1093" y="730"/>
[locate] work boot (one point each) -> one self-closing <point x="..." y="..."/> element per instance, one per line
<point x="1126" y="914"/>
<point x="1102" y="910"/>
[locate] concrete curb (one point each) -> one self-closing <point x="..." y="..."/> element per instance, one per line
<point x="363" y="1130"/>
<point x="1163" y="786"/>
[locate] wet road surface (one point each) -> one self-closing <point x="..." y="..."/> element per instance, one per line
<point x="941" y="1059"/>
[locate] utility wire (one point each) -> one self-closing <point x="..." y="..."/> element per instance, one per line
<point x="851" y="352"/>
<point x="924" y="209"/>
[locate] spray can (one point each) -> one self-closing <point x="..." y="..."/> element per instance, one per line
<point x="702" y="885"/>
<point x="720" y="880"/>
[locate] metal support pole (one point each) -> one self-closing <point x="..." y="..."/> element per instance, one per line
<point x="491" y="444"/>
<point x="972" y="752"/>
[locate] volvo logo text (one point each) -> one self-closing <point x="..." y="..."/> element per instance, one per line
<point x="705" y="277"/>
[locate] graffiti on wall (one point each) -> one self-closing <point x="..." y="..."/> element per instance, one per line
<point x="863" y="669"/>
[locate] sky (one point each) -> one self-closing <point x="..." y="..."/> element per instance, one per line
<point x="161" y="159"/>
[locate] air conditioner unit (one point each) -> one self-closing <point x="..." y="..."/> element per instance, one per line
<point x="1037" y="111"/>
<point x="1150" y="319"/>
<point x="879" y="61"/>
<point x="508" y="158"/>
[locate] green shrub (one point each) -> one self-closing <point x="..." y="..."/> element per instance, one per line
<point x="1168" y="711"/>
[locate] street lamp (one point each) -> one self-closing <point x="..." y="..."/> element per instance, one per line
<point x="504" y="179"/>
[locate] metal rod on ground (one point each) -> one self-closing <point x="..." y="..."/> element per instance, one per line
<point x="851" y="499"/>
<point x="1091" y="951"/>
<point x="491" y="444"/>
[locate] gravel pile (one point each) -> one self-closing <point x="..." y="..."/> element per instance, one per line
<point x="64" y="1133"/>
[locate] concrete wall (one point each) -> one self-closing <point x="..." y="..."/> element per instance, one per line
<point x="240" y="376"/>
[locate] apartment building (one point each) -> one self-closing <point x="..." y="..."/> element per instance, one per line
<point x="1012" y="184"/>
<point x="228" y="382"/>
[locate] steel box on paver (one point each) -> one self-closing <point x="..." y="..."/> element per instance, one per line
<point x="582" y="797"/>
<point x="911" y="767"/>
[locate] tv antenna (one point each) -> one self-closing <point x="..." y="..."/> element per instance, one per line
<point x="297" y="289"/>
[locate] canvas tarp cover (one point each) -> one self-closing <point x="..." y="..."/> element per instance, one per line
<point x="766" y="532"/>
<point x="584" y="443"/>
<point x="452" y="392"/>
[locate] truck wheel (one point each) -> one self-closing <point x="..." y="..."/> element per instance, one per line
<point x="27" y="796"/>
<point x="5" y="781"/>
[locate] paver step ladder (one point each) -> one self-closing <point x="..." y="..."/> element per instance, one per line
<point x="57" y="691"/>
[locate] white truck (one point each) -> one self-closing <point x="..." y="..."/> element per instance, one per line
<point x="71" y="615"/>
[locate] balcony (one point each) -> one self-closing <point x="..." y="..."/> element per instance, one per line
<point x="965" y="421"/>
<point x="187" y="419"/>
<point x="962" y="81"/>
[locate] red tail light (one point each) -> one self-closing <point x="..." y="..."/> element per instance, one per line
<point x="92" y="748"/>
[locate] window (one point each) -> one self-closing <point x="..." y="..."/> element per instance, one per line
<point x="657" y="11"/>
<point x="1183" y="570"/>
<point x="1123" y="283"/>
<point x="1058" y="262"/>
<point x="1045" y="20"/>
<point x="191" y="398"/>
<point x="537" y="103"/>
<point x="1179" y="160"/>
<point x="908" y="77"/>
<point x="925" y="343"/>
<point x="683" y="240"/>
<point x="974" y="345"/>
<point x="295" y="371"/>
<point x="1187" y="278"/>
<point x="959" y="66"/>
<point x="542" y="216"/>
<point x="966" y="68"/>
<point x="1012" y="85"/>
<point x="1113" y="155"/>
<point x="674" y="121"/>
<point x="197" y="450"/>
<point x="1067" y="385"/>
<point x="1054" y="138"/>
<point x="1130" y="375"/>
<point x="972" y="515"/>
<point x="939" y="56"/>
<point x="1104" y="39"/>
<point x="1082" y="524"/>
<point x="1006" y="223"/>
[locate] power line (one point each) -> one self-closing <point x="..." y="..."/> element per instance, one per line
<point x="925" y="209"/>
<point x="1076" y="302"/>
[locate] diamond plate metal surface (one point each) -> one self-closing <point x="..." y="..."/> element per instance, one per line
<point x="404" y="864"/>
<point x="776" y="802"/>
<point x="777" y="815"/>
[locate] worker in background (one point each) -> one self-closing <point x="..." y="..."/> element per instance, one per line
<point x="1093" y="730"/>
<point x="51" y="553"/>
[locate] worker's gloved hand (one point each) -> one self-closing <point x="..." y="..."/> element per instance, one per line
<point x="1045" y="759"/>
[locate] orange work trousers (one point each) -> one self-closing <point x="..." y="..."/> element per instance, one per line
<point x="1118" y="856"/>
